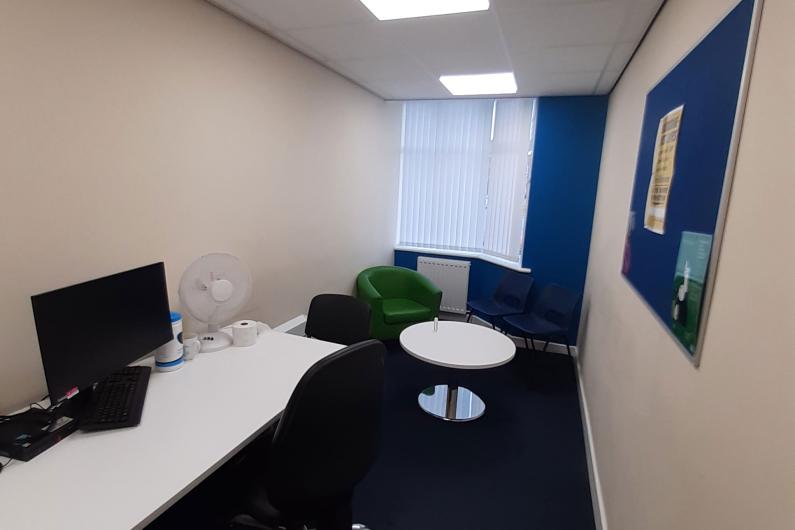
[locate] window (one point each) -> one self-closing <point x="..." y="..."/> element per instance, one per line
<point x="465" y="175"/>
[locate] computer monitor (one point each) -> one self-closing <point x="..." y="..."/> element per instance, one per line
<point x="88" y="331"/>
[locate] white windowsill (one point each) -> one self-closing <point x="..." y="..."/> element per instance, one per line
<point x="464" y="254"/>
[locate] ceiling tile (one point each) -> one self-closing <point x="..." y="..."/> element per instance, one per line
<point x="379" y="88"/>
<point x="566" y="59"/>
<point x="357" y="41"/>
<point x="513" y="4"/>
<point x="571" y="84"/>
<point x="301" y="14"/>
<point x="419" y="90"/>
<point x="608" y="80"/>
<point x="415" y="89"/>
<point x="394" y="68"/>
<point x="620" y="55"/>
<point x="638" y="18"/>
<point x="530" y="28"/>
<point x="474" y="61"/>
<point x="468" y="35"/>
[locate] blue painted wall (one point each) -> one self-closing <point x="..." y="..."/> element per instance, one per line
<point x="566" y="161"/>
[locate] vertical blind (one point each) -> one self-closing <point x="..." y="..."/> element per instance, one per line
<point x="465" y="175"/>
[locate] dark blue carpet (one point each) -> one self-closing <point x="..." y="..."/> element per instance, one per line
<point x="521" y="466"/>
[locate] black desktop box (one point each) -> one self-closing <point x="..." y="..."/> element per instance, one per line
<point x="26" y="435"/>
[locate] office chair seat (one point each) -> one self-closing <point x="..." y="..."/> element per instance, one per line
<point x="552" y="317"/>
<point x="492" y="308"/>
<point x="534" y="325"/>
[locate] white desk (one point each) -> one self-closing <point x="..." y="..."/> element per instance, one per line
<point x="194" y="420"/>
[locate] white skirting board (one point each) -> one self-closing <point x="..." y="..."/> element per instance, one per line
<point x="599" y="513"/>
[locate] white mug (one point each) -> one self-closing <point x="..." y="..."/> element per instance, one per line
<point x="191" y="346"/>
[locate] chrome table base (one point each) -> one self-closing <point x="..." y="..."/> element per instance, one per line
<point x="451" y="403"/>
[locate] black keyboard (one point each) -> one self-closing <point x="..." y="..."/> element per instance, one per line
<point x="118" y="401"/>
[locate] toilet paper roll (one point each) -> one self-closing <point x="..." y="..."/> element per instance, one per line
<point x="244" y="333"/>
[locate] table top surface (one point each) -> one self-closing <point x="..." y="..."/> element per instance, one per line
<point x="194" y="420"/>
<point x="458" y="345"/>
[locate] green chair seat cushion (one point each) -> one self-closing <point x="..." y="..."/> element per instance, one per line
<point x="402" y="310"/>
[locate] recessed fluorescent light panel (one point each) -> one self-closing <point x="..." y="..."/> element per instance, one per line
<point x="480" y="84"/>
<point x="395" y="9"/>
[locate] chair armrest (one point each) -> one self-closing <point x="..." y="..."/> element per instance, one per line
<point x="367" y="292"/>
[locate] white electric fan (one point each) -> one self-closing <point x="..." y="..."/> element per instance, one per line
<point x="213" y="289"/>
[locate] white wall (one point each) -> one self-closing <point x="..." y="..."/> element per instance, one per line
<point x="710" y="448"/>
<point x="144" y="130"/>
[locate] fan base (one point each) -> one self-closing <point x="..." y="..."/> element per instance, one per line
<point x="215" y="341"/>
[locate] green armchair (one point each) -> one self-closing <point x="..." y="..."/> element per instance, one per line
<point x="398" y="298"/>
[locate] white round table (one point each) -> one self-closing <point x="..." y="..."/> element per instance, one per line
<point x="460" y="346"/>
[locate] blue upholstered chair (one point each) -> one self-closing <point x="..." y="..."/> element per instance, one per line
<point x="551" y="317"/>
<point x="510" y="298"/>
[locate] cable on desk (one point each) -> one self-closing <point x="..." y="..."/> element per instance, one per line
<point x="4" y="465"/>
<point x="38" y="404"/>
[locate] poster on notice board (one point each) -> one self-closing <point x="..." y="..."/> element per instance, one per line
<point x="662" y="173"/>
<point x="688" y="288"/>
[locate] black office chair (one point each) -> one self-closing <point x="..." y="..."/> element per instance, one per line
<point x="550" y="318"/>
<point x="510" y="298"/>
<point x="338" y="318"/>
<point x="324" y="444"/>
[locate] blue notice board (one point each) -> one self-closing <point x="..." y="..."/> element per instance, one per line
<point x="689" y="189"/>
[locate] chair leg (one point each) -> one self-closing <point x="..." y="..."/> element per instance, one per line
<point x="532" y="343"/>
<point x="526" y="347"/>
<point x="545" y="346"/>
<point x="568" y="348"/>
<point x="469" y="316"/>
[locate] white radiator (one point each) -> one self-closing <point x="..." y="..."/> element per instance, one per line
<point x="451" y="276"/>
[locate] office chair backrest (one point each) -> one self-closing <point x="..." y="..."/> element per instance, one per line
<point x="329" y="433"/>
<point x="514" y="290"/>
<point x="338" y="318"/>
<point x="556" y="304"/>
